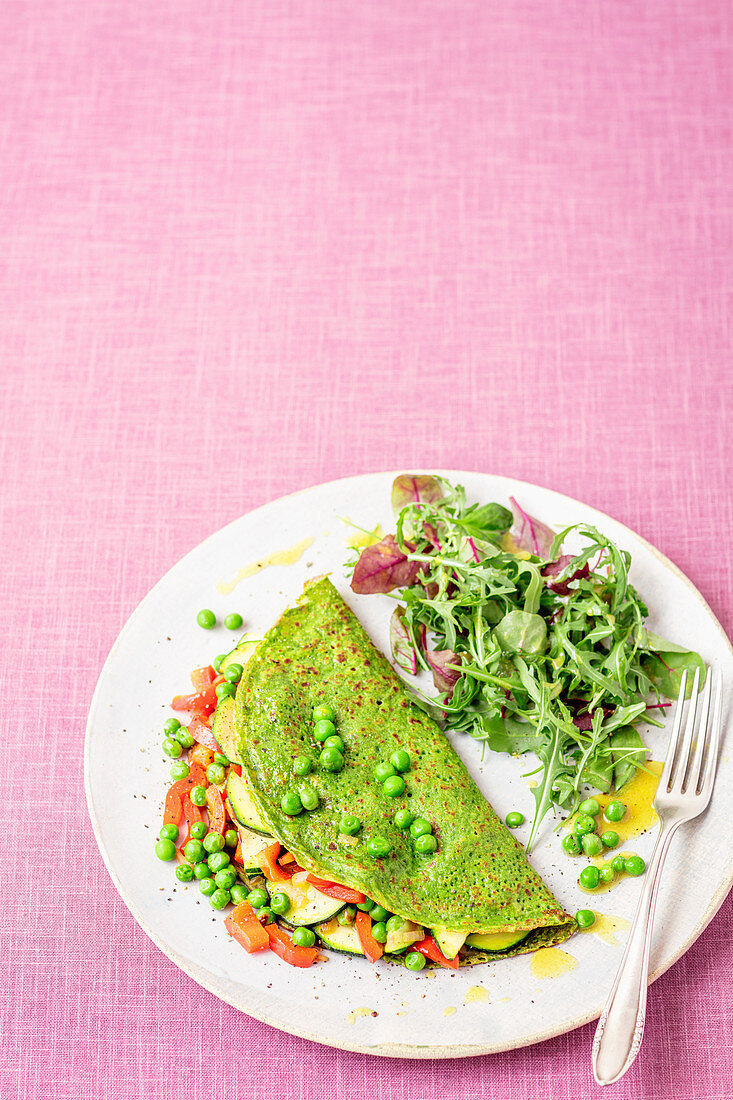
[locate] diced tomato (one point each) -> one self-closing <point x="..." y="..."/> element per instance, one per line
<point x="204" y="701"/>
<point x="201" y="731"/>
<point x="282" y="945"/>
<point x="372" y="949"/>
<point x="215" y="804"/>
<point x="173" y="806"/>
<point x="244" y="927"/>
<point x="429" y="948"/>
<point x="201" y="678"/>
<point x="270" y="867"/>
<point x="335" y="890"/>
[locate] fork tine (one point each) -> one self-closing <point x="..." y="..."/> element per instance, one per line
<point x="684" y="758"/>
<point x="711" y="757"/>
<point x="674" y="736"/>
<point x="692" y="779"/>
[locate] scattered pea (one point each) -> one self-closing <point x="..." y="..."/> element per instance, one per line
<point x="571" y="844"/>
<point x="220" y="758"/>
<point x="215" y="774"/>
<point x="184" y="738"/>
<point x="225" y="691"/>
<point x="383" y="771"/>
<point x="265" y="916"/>
<point x="280" y="903"/>
<point x="233" y="621"/>
<point x="585" y="918"/>
<point x="201" y="870"/>
<point x="290" y="804"/>
<point x="400" y="760"/>
<point x="591" y="844"/>
<point x="324" y="711"/>
<point x="231" y="838"/>
<point x="615" y="811"/>
<point x="233" y="673"/>
<point x="207" y="886"/>
<point x="304" y="937"/>
<point x="589" y="877"/>
<point x="199" y="829"/>
<point x="213" y="842"/>
<point x="365" y="906"/>
<point x="607" y="873"/>
<point x="220" y="899"/>
<point x="258" y="898"/>
<point x="379" y="932"/>
<point x="184" y="872"/>
<point x="394" y="786"/>
<point x="332" y="760"/>
<point x="180" y="770"/>
<point x="323" y="729"/>
<point x="239" y="893"/>
<point x="414" y="960"/>
<point x="347" y="916"/>
<point x="169" y="832"/>
<point x="378" y="847"/>
<point x="172" y="747"/>
<point x="379" y="914"/>
<point x="309" y="798"/>
<point x="425" y="844"/>
<point x="302" y="765"/>
<point x="590" y="806"/>
<point x="206" y="619"/>
<point x="171" y="726"/>
<point x="619" y="864"/>
<point x="225" y="878"/>
<point x="198" y="796"/>
<point x="217" y="661"/>
<point x="350" y="824"/>
<point x="583" y="824"/>
<point x="396" y="924"/>
<point x="514" y="819"/>
<point x="165" y="849"/>
<point x="217" y="861"/>
<point x="634" y="866"/>
<point x="610" y="838"/>
<point x="194" y="851"/>
<point x="334" y="742"/>
<point x="403" y="819"/>
<point x="420" y="827"/>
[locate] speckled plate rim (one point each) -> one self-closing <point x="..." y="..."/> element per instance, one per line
<point x="387" y="1050"/>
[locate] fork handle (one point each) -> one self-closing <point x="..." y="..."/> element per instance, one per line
<point x="621" y="1026"/>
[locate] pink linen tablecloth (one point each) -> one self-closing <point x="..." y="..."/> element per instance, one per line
<point x="248" y="247"/>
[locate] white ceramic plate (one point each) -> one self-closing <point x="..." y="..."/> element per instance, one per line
<point x="346" y="1002"/>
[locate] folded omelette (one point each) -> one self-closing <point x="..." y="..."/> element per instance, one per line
<point x="476" y="893"/>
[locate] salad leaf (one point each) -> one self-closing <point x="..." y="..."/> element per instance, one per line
<point x="521" y="632"/>
<point x="444" y="677"/>
<point x="628" y="753"/>
<point x="403" y="651"/>
<point x="384" y="566"/>
<point x="665" y="671"/>
<point x="414" y="488"/>
<point x="529" y="534"/>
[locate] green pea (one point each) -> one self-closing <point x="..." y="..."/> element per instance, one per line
<point x="400" y="760"/>
<point x="332" y="760"/>
<point x="591" y="807"/>
<point x="290" y="804"/>
<point x="215" y="774"/>
<point x="233" y="673"/>
<point x="347" y="916"/>
<point x="414" y="960"/>
<point x="206" y="619"/>
<point x="217" y="861"/>
<point x="403" y="819"/>
<point x="220" y="899"/>
<point x="194" y="851"/>
<point x="394" y="786"/>
<point x="302" y="765"/>
<point x="238" y="892"/>
<point x="571" y="844"/>
<point x="634" y="866"/>
<point x="589" y="877"/>
<point x="426" y="844"/>
<point x="184" y="873"/>
<point x="592" y="844"/>
<point x="366" y="906"/>
<point x="218" y="659"/>
<point x="583" y="824"/>
<point x="198" y="796"/>
<point x="350" y="824"/>
<point x="169" y="832"/>
<point x="383" y="771"/>
<point x="514" y="819"/>
<point x="304" y="937"/>
<point x="379" y="932"/>
<point x="323" y="730"/>
<point x="280" y="903"/>
<point x="615" y="811"/>
<point x="213" y="842"/>
<point x="225" y="879"/>
<point x="334" y="742"/>
<point x="585" y="918"/>
<point x="220" y="758"/>
<point x="180" y="770"/>
<point x="420" y="827"/>
<point x="265" y="916"/>
<point x="199" y="829"/>
<point x="324" y="711"/>
<point x="610" y="838"/>
<point x="233" y="621"/>
<point x="378" y="847"/>
<point x="225" y="691"/>
<point x="165" y="849"/>
<point x="172" y="747"/>
<point x="231" y="838"/>
<point x="171" y="726"/>
<point x="395" y="924"/>
<point x="258" y="898"/>
<point x="619" y="864"/>
<point x="309" y="798"/>
<point x="607" y="873"/>
<point x="207" y="886"/>
<point x="379" y="914"/>
<point x="184" y="738"/>
<point x="201" y="870"/>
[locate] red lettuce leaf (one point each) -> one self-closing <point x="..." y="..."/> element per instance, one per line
<point x="413" y="489"/>
<point x="555" y="568"/>
<point x="403" y="651"/>
<point x="444" y="678"/>
<point x="382" y="567"/>
<point x="529" y="534"/>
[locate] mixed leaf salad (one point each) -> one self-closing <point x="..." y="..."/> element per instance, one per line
<point x="532" y="649"/>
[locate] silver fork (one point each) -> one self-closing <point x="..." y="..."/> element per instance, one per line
<point x="685" y="786"/>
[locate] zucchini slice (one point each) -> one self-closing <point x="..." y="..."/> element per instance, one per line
<point x="450" y="943"/>
<point x="243" y="804"/>
<point x="307" y="905"/>
<point x="252" y="844"/>
<point x="223" y="730"/>
<point x="340" y="937"/>
<point x="495" y="941"/>
<point x="241" y="653"/>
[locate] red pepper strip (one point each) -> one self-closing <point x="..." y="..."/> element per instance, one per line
<point x="204" y="701"/>
<point x="289" y="870"/>
<point x="201" y="678"/>
<point x="430" y="949"/>
<point x="243" y="925"/>
<point x="201" y="732"/>
<point x="236" y="768"/>
<point x="270" y="867"/>
<point x="282" y="945"/>
<point x="372" y="949"/>
<point x="192" y="814"/>
<point x="238" y="857"/>
<point x="335" y="890"/>
<point x="287" y="857"/>
<point x="173" y="807"/>
<point x="215" y="803"/>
